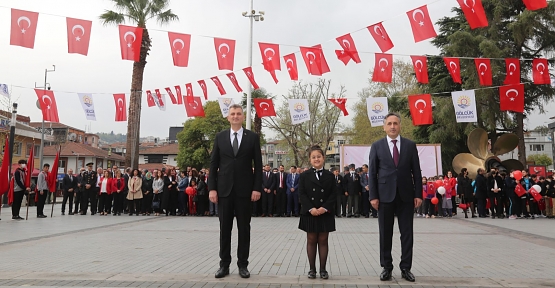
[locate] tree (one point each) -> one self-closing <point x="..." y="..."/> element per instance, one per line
<point x="540" y="159"/>
<point x="544" y="130"/>
<point x="197" y="137"/>
<point x="137" y="12"/>
<point x="403" y="83"/>
<point x="257" y="121"/>
<point x="513" y="32"/>
<point x="321" y="127"/>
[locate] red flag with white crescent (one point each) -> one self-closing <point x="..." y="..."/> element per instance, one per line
<point x="420" y="68"/>
<point x="180" y="45"/>
<point x="121" y="107"/>
<point x="511" y="98"/>
<point x="24" y="28"/>
<point x="540" y="71"/>
<point x="343" y="56"/>
<point x="270" y="56"/>
<point x="172" y="97"/>
<point x="291" y="64"/>
<point x="219" y="85"/>
<point x="202" y="85"/>
<point x="312" y="59"/>
<point x="474" y="13"/>
<point x="78" y="35"/>
<point x="4" y="172"/>
<point x="324" y="64"/>
<point x="421" y="109"/>
<point x="53" y="174"/>
<point x="421" y="24"/>
<point x="194" y="108"/>
<point x="341" y="104"/>
<point x="264" y="107"/>
<point x="130" y="39"/>
<point x="483" y="66"/>
<point x="383" y="68"/>
<point x="250" y="75"/>
<point x="160" y="100"/>
<point x="233" y="80"/>
<point x="48" y="105"/>
<point x="381" y="37"/>
<point x="513" y="71"/>
<point x="150" y="99"/>
<point x="348" y="44"/>
<point x="225" y="51"/>
<point x="535" y="4"/>
<point x="454" y="68"/>
<point x="179" y="94"/>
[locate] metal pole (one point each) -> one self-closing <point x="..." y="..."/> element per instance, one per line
<point x="42" y="126"/>
<point x="249" y="100"/>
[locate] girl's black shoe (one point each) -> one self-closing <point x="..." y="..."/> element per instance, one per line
<point x="312" y="274"/>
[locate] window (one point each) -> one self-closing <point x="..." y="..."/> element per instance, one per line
<point x="37" y="151"/>
<point x="341" y="142"/>
<point x="17" y="148"/>
<point x="537" y="147"/>
<point x="28" y="150"/>
<point x="155" y="158"/>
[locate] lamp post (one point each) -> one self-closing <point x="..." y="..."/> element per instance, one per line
<point x="10" y="145"/>
<point x="42" y="125"/>
<point x="252" y="15"/>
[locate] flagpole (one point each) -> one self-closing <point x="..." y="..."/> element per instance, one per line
<point x="28" y="199"/>
<point x="41" y="156"/>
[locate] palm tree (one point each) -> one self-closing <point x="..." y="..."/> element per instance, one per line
<point x="257" y="121"/>
<point x="137" y="12"/>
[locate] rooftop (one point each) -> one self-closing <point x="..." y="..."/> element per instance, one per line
<point x="169" y="149"/>
<point x="72" y="149"/>
<point x="53" y="125"/>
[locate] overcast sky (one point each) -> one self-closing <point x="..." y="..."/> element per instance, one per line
<point x="289" y="22"/>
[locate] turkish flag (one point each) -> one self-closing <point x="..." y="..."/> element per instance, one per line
<point x="48" y="105"/>
<point x="194" y="108"/>
<point x="420" y="68"/>
<point x="172" y="97"/>
<point x="324" y="63"/>
<point x="130" y="39"/>
<point x="160" y="100"/>
<point x="150" y="99"/>
<point x="340" y="103"/>
<point x="30" y="166"/>
<point x="270" y="55"/>
<point x="180" y="45"/>
<point x="250" y="75"/>
<point x="179" y="95"/>
<point x="513" y="71"/>
<point x="540" y="71"/>
<point x="233" y="80"/>
<point x="511" y="98"/>
<point x="519" y="190"/>
<point x="203" y="87"/>
<point x="189" y="88"/>
<point x="454" y="68"/>
<point x="348" y="44"/>
<point x="121" y="107"/>
<point x="483" y="66"/>
<point x="474" y="13"/>
<point x="383" y="68"/>
<point x="343" y="56"/>
<point x="381" y="37"/>
<point x="225" y="51"/>
<point x="24" y="28"/>
<point x="78" y="35"/>
<point x="219" y="85"/>
<point x="421" y="109"/>
<point x="421" y="24"/>
<point x="312" y="57"/>
<point x="535" y="4"/>
<point x="291" y="64"/>
<point x="53" y="174"/>
<point x="4" y="172"/>
<point x="264" y="107"/>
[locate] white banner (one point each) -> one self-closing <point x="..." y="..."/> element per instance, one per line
<point x="88" y="105"/>
<point x="465" y="106"/>
<point x="224" y="105"/>
<point x="4" y="90"/>
<point x="298" y="108"/>
<point x="377" y="109"/>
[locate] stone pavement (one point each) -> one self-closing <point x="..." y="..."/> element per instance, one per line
<point x="141" y="251"/>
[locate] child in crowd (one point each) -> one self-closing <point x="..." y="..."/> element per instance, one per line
<point x="431" y="193"/>
<point x="423" y="208"/>
<point x="447" y="204"/>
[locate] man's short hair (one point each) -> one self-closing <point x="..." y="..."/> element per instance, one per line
<point x="392" y="114"/>
<point x="293" y="166"/>
<point x="236" y="106"/>
<point x="46" y="165"/>
<point x="22" y="161"/>
<point x="365" y="165"/>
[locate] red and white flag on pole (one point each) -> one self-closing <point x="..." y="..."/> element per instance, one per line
<point x="48" y="105"/>
<point x="225" y="51"/>
<point x="250" y="75"/>
<point x="121" y="107"/>
<point x="291" y="64"/>
<point x="150" y="99"/>
<point x="180" y="45"/>
<point x="420" y="68"/>
<point x="349" y="48"/>
<point x="130" y="39"/>
<point x="194" y="108"/>
<point x="24" y="28"/>
<point x="53" y="174"/>
<point x="4" y="172"/>
<point x="511" y="98"/>
<point x="421" y="109"/>
<point x="218" y="85"/>
<point x="474" y="13"/>
<point x="340" y="103"/>
<point x="454" y="68"/>
<point x="202" y="85"/>
<point x="313" y="60"/>
<point x="324" y="65"/>
<point x="233" y="80"/>
<point x="540" y="71"/>
<point x="270" y="56"/>
<point x="421" y="24"/>
<point x="513" y="71"/>
<point x="160" y="100"/>
<point x="483" y="66"/>
<point x="383" y="68"/>
<point x="172" y="97"/>
<point x="381" y="37"/>
<point x="179" y="94"/>
<point x="78" y="35"/>
<point x="264" y="107"/>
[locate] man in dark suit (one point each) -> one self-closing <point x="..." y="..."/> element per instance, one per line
<point x="481" y="192"/>
<point x="89" y="194"/>
<point x="292" y="194"/>
<point x="341" y="202"/>
<point x="281" y="192"/>
<point x="366" y="193"/>
<point x="351" y="186"/>
<point x="268" y="186"/>
<point x="233" y="184"/>
<point x="395" y="181"/>
<point x="69" y="188"/>
<point x="496" y="186"/>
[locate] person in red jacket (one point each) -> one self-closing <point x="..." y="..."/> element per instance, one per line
<point x="106" y="188"/>
<point x="192" y="192"/>
<point x="450" y="184"/>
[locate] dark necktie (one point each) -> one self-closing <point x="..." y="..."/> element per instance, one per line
<point x="395" y="153"/>
<point x="70" y="178"/>
<point x="318" y="173"/>
<point x="235" y="144"/>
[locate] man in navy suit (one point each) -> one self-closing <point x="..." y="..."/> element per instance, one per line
<point x="366" y="193"/>
<point x="69" y="187"/>
<point x="292" y="195"/>
<point x="233" y="184"/>
<point x="395" y="190"/>
<point x="268" y="186"/>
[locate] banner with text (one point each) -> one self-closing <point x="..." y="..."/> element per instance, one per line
<point x="377" y="109"/>
<point x="298" y="108"/>
<point x="88" y="105"/>
<point x="465" y="106"/>
<point x="224" y="105"/>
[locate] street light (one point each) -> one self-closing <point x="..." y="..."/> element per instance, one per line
<point x="256" y="17"/>
<point x="46" y="86"/>
<point x="11" y="144"/>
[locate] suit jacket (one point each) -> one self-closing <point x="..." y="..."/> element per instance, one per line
<point x="69" y="184"/>
<point x="350" y="185"/>
<point x="284" y="184"/>
<point x="315" y="193"/>
<point x="481" y="186"/>
<point x="386" y="179"/>
<point x="268" y="182"/>
<point x="229" y="171"/>
<point x="339" y="185"/>
<point x="364" y="181"/>
<point x="292" y="184"/>
<point x="500" y="185"/>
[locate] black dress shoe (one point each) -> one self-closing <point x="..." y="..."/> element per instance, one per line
<point x="385" y="275"/>
<point x="324" y="274"/>
<point x="406" y="274"/>
<point x="244" y="272"/>
<point x="70" y="213"/>
<point x="312" y="274"/>
<point x="63" y="213"/>
<point x="222" y="272"/>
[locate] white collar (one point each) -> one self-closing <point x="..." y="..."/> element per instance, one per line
<point x="239" y="132"/>
<point x="389" y="139"/>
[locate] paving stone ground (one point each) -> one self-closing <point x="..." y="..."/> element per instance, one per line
<point x="143" y="251"/>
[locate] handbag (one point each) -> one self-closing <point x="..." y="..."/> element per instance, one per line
<point x="463" y="206"/>
<point x="195" y="198"/>
<point x="156" y="204"/>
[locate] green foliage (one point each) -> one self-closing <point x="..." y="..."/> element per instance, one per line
<point x="197" y="137"/>
<point x="139" y="11"/>
<point x="540" y="159"/>
<point x="111" y="137"/>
